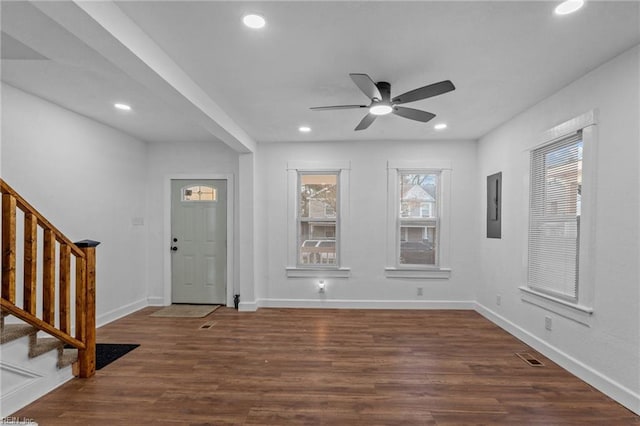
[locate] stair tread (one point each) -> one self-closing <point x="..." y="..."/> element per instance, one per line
<point x="15" y="331"/>
<point x="44" y="345"/>
<point x="68" y="357"/>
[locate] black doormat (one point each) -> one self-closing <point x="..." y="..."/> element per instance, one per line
<point x="106" y="353"/>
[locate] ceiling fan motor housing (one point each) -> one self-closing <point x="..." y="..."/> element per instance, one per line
<point x="385" y="91"/>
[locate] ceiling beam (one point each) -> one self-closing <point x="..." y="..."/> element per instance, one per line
<point x="144" y="61"/>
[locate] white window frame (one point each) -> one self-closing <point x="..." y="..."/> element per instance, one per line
<point x="294" y="169"/>
<point x="442" y="268"/>
<point x="581" y="309"/>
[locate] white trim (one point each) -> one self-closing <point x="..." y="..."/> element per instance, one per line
<point x="443" y="256"/>
<point x="573" y="311"/>
<point x="366" y="304"/>
<point x="248" y="306"/>
<point x="424" y="274"/>
<point x="122" y="311"/>
<point x="419" y="164"/>
<point x="342" y="216"/>
<point x="604" y="384"/>
<point x="155" y="301"/>
<point x="587" y="123"/>
<point x="319" y="166"/>
<point x="567" y="128"/>
<point x="588" y="234"/>
<point x="293" y="272"/>
<point x="230" y="235"/>
<point x="573" y="125"/>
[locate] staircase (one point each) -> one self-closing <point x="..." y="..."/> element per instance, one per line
<point x="38" y="345"/>
<point x="43" y="308"/>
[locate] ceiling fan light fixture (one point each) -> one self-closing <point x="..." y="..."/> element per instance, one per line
<point x="380" y="109"/>
<point x="440" y="126"/>
<point x="568" y="6"/>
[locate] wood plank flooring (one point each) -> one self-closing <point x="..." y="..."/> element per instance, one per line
<point x="323" y="367"/>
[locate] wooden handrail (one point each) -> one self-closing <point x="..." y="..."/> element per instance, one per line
<point x="40" y="325"/>
<point x="42" y="221"/>
<point x="85" y="262"/>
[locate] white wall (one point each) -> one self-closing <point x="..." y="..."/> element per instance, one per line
<point x="89" y="181"/>
<point x="607" y="352"/>
<point x="367" y="286"/>
<point x="175" y="160"/>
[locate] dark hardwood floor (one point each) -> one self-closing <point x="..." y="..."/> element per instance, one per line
<point x="323" y="367"/>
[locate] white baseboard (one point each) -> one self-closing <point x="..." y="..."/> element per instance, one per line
<point x="122" y="311"/>
<point x="604" y="384"/>
<point x="366" y="304"/>
<point x="155" y="301"/>
<point x="248" y="306"/>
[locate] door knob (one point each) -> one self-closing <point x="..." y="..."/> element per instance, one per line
<point x="174" y="248"/>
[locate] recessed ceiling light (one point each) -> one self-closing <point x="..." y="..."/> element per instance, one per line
<point x="254" y="21"/>
<point x="123" y="107"/>
<point x="568" y="6"/>
<point x="380" y="109"/>
<point x="304" y="129"/>
<point x="440" y="126"/>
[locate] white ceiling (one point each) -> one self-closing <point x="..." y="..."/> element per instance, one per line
<point x="193" y="72"/>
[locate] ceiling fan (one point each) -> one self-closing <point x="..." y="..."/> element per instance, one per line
<point x="382" y="104"/>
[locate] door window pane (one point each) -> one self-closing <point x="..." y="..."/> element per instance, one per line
<point x="199" y="193"/>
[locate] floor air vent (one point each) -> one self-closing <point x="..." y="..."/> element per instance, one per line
<point x="530" y="359"/>
<point x="207" y="325"/>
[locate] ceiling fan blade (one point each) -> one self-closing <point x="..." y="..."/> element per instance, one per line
<point x="368" y="87"/>
<point x="424" y="92"/>
<point x="323" y="108"/>
<point x="366" y="121"/>
<point x="413" y="114"/>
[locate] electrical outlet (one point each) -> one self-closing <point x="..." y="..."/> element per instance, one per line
<point x="547" y="323"/>
<point x="498" y="300"/>
<point x="419" y="291"/>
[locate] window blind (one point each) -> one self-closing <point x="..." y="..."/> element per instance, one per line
<point x="554" y="217"/>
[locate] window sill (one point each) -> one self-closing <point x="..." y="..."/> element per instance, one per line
<point x="573" y="311"/>
<point x="420" y="274"/>
<point x="293" y="272"/>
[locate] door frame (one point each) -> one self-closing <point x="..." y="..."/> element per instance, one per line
<point x="228" y="177"/>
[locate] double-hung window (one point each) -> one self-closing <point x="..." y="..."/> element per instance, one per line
<point x="554" y="217"/>
<point x="318" y="207"/>
<point x="560" y="244"/>
<point x="418" y="220"/>
<point x="317" y="220"/>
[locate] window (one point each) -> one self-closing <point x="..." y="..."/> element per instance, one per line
<point x="317" y="219"/>
<point x="418" y="225"/>
<point x="554" y="220"/>
<point x="199" y="193"/>
<point x="559" y="271"/>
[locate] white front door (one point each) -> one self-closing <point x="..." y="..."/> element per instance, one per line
<point x="198" y="241"/>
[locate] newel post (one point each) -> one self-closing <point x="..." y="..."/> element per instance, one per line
<point x="86" y="309"/>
